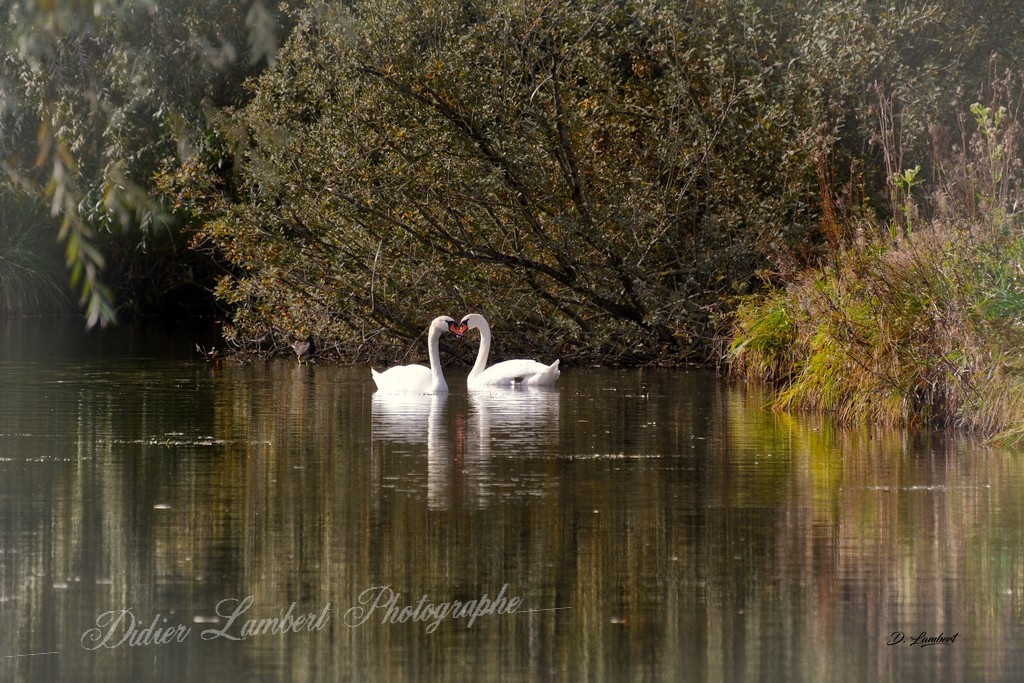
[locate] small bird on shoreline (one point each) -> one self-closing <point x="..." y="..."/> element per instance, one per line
<point x="304" y="349"/>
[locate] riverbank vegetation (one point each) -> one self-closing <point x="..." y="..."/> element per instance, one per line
<point x="802" y="189"/>
<point x="920" y="319"/>
<point x="32" y="276"/>
<point x="600" y="179"/>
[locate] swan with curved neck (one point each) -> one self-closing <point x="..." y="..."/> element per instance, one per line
<point x="520" y="371"/>
<point x="419" y="379"/>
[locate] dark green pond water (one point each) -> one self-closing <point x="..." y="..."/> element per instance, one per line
<point x="163" y="518"/>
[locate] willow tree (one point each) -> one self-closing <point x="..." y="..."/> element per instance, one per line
<point x="95" y="98"/>
<point x="596" y="177"/>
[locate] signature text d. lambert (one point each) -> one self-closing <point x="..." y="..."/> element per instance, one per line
<point x="922" y="640"/>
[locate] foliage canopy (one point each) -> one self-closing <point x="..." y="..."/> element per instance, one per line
<point x="95" y="98"/>
<point x="598" y="178"/>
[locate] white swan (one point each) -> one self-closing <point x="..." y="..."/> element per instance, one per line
<point x="419" y="379"/>
<point x="527" y="372"/>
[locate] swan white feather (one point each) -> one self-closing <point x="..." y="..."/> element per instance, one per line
<point x="419" y="379"/>
<point x="519" y="371"/>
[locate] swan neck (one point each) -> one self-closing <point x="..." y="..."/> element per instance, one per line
<point x="485" y="349"/>
<point x="434" y="353"/>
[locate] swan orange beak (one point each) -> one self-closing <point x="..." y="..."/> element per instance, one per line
<point x="458" y="329"/>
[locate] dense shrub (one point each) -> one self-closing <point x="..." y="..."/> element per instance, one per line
<point x="32" y="276"/>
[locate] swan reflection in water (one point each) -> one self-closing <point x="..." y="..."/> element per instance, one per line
<point x="515" y="421"/>
<point x="463" y="434"/>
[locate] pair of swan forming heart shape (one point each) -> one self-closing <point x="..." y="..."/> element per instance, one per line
<point x="420" y="379"/>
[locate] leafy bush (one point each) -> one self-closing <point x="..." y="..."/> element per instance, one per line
<point x="96" y="98"/>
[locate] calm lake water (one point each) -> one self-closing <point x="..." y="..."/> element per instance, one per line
<point x="158" y="513"/>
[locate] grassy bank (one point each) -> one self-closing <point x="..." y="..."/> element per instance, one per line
<point x="916" y="320"/>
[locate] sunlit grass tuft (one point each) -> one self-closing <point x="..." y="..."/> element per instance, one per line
<point x="924" y="331"/>
<point x="765" y="336"/>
